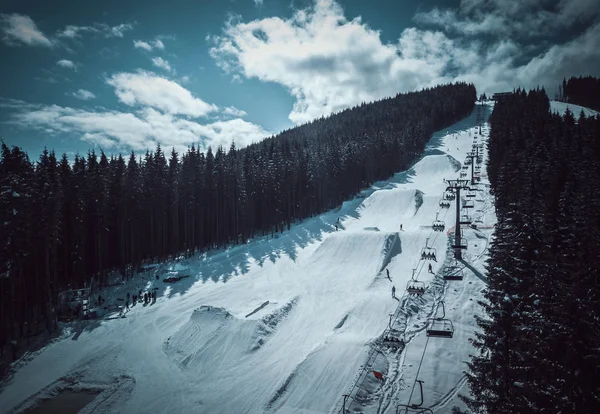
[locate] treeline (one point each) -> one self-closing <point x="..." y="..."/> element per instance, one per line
<point x="582" y="91"/>
<point x="540" y="346"/>
<point x="69" y="225"/>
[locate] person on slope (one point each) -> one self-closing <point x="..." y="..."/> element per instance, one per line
<point x="394" y="291"/>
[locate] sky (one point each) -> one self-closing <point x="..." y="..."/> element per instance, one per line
<point x="125" y="75"/>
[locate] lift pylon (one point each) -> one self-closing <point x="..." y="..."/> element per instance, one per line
<point x="455" y="186"/>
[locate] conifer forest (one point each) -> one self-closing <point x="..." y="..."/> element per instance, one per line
<point x="67" y="224"/>
<point x="540" y="339"/>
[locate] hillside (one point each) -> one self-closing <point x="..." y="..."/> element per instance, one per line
<point x="290" y="324"/>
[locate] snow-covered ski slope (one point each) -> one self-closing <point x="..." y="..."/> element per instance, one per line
<point x="291" y="324"/>
<point x="561" y="107"/>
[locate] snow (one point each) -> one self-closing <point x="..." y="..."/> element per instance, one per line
<point x="561" y="107"/>
<point x="290" y="324"/>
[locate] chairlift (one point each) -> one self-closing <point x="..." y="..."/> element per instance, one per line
<point x="438" y="225"/>
<point x="440" y="327"/>
<point x="471" y="194"/>
<point x="463" y="174"/>
<point x="444" y="204"/>
<point x="468" y="204"/>
<point x="428" y="252"/>
<point x="449" y="195"/>
<point x="414" y="408"/>
<point x="392" y="341"/>
<point x="453" y="273"/>
<point x="463" y="244"/>
<point x="465" y="219"/>
<point x="414" y="286"/>
<point x="466" y="167"/>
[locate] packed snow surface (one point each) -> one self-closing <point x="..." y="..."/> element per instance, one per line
<point x="290" y="324"/>
<point x="561" y="108"/>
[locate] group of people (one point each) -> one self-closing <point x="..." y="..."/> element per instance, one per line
<point x="416" y="289"/>
<point x="428" y="255"/>
<point x="147" y="297"/>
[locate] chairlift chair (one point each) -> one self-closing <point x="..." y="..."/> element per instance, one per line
<point x="438" y="225"/>
<point x="468" y="204"/>
<point x="414" y="408"/>
<point x="463" y="174"/>
<point x="453" y="273"/>
<point x="463" y="244"/>
<point x="444" y="204"/>
<point x="471" y="194"/>
<point x="392" y="341"/>
<point x="429" y="253"/>
<point x="449" y="195"/>
<point x="415" y="287"/>
<point x="440" y="327"/>
<point x="465" y="219"/>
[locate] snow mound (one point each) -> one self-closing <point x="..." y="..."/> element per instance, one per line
<point x="212" y="339"/>
<point x="383" y="204"/>
<point x="561" y="108"/>
<point x="436" y="165"/>
<point x="359" y="256"/>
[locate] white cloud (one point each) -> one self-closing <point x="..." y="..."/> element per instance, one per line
<point x="233" y="111"/>
<point x="329" y="63"/>
<point x="73" y="31"/>
<point x="84" y="95"/>
<point x="139" y="44"/>
<point x="21" y="29"/>
<point x="158" y="44"/>
<point x="65" y="63"/>
<point x="161" y="63"/>
<point x="119" y="30"/>
<point x="139" y="131"/>
<point x="149" y="89"/>
<point x="153" y="44"/>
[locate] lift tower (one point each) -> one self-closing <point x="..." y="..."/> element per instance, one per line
<point x="456" y="186"/>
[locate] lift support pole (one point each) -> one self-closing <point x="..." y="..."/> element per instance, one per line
<point x="455" y="186"/>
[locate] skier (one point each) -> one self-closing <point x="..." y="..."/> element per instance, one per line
<point x="336" y="228"/>
<point x="394" y="291"/>
<point x="127" y="304"/>
<point x="400" y="226"/>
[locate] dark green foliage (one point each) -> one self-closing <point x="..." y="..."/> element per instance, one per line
<point x="583" y="91"/>
<point x="540" y="340"/>
<point x="67" y="226"/>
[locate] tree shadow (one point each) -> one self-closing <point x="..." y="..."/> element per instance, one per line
<point x="220" y="265"/>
